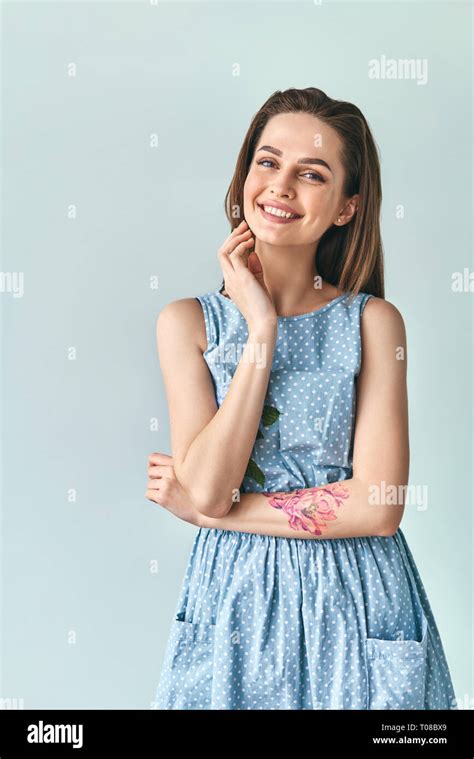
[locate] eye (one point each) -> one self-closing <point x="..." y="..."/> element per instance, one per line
<point x="318" y="176"/>
<point x="265" y="160"/>
<point x="311" y="173"/>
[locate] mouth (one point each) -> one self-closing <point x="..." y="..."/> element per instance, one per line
<point x="276" y="215"/>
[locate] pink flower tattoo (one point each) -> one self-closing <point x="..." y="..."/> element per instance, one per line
<point x="310" y="509"/>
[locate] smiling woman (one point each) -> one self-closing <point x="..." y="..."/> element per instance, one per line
<point x="300" y="591"/>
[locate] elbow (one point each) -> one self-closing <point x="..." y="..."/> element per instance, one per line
<point x="203" y="501"/>
<point x="389" y="525"/>
<point x="387" y="531"/>
<point x="386" y="504"/>
<point x="209" y="507"/>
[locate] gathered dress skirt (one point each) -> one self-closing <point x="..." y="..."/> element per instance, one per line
<point x="265" y="622"/>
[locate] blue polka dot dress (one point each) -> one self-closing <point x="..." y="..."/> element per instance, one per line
<point x="265" y="622"/>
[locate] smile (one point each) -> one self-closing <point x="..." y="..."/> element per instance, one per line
<point x="276" y="215"/>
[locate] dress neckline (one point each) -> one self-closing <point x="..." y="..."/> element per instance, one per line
<point x="296" y="316"/>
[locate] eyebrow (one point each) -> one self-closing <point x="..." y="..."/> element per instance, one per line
<point x="317" y="161"/>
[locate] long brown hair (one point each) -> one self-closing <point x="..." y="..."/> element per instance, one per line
<point x="349" y="257"/>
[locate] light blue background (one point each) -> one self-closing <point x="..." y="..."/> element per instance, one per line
<point x="84" y="568"/>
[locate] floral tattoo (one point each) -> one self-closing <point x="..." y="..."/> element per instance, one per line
<point x="311" y="508"/>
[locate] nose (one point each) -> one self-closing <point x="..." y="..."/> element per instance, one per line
<point x="281" y="193"/>
<point x="281" y="186"/>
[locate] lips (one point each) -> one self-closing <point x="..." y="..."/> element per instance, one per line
<point x="281" y="207"/>
<point x="271" y="217"/>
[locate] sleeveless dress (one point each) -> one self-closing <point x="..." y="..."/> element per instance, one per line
<point x="266" y="622"/>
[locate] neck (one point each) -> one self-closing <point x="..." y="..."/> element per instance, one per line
<point x="290" y="274"/>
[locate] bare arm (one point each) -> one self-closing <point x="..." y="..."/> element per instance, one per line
<point x="357" y="506"/>
<point x="211" y="447"/>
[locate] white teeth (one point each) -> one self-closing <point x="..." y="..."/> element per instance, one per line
<point x="278" y="212"/>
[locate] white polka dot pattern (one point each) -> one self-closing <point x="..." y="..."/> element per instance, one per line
<point x="264" y="622"/>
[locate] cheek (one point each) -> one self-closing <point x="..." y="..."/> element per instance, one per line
<point x="258" y="178"/>
<point x="321" y="203"/>
<point x="251" y="187"/>
<point x="251" y="192"/>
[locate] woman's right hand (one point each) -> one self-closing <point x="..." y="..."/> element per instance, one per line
<point x="243" y="278"/>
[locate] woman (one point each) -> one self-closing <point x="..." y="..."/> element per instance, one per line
<point x="289" y="431"/>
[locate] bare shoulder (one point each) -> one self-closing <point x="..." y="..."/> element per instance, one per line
<point x="182" y="320"/>
<point x="382" y="318"/>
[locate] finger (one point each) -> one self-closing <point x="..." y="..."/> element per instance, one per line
<point x="233" y="239"/>
<point x="161" y="471"/>
<point x="239" y="231"/>
<point x="239" y="227"/>
<point x="224" y="254"/>
<point x="152" y="495"/>
<point x="165" y="468"/>
<point x="225" y="263"/>
<point x="160" y="458"/>
<point x="231" y="262"/>
<point x="153" y="476"/>
<point x="153" y="484"/>
<point x="242" y="246"/>
<point x="241" y="251"/>
<point x="239" y="256"/>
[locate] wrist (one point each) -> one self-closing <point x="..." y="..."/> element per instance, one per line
<point x="263" y="331"/>
<point x="201" y="520"/>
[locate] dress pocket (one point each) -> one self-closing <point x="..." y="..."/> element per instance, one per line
<point x="396" y="671"/>
<point x="191" y="663"/>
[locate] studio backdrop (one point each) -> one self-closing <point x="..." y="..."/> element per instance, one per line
<point x="122" y="122"/>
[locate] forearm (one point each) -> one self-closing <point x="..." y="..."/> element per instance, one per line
<point x="339" y="510"/>
<point x="216" y="460"/>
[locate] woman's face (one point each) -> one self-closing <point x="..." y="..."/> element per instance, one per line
<point x="296" y="163"/>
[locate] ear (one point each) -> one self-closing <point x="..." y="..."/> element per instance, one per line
<point x="350" y="209"/>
